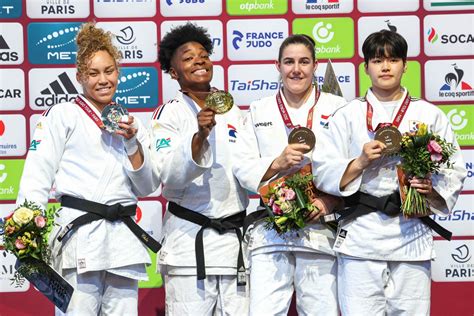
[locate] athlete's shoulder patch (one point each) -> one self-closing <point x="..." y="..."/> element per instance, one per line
<point x="362" y="99"/>
<point x="414" y="98"/>
<point x="159" y="110"/>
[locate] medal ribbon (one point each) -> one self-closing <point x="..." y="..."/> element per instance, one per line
<point x="90" y="112"/>
<point x="286" y="117"/>
<point x="396" y="121"/>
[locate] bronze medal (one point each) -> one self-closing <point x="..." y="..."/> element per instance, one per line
<point x="302" y="135"/>
<point x="220" y="101"/>
<point x="391" y="137"/>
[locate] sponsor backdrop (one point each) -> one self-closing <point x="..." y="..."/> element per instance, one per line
<point x="38" y="51"/>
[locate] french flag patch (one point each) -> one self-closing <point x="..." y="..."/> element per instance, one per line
<point x="324" y="120"/>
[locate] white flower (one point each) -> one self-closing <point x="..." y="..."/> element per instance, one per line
<point x="22" y="215"/>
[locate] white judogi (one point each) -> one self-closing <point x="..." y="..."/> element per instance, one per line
<point x="264" y="138"/>
<point x="207" y="187"/>
<point x="89" y="163"/>
<point x="376" y="236"/>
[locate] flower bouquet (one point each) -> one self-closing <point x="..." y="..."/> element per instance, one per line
<point x="422" y="153"/>
<point x="25" y="234"/>
<point x="288" y="201"/>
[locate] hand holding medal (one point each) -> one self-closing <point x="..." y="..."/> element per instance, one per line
<point x="302" y="135"/>
<point x="391" y="137"/>
<point x="388" y="133"/>
<point x="219" y="101"/>
<point x="112" y="115"/>
<point x="299" y="134"/>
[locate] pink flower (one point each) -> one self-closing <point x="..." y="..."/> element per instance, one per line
<point x="290" y="195"/>
<point x="436" y="157"/>
<point x="276" y="210"/>
<point x="19" y="244"/>
<point x="40" y="221"/>
<point x="271" y="201"/>
<point x="434" y="147"/>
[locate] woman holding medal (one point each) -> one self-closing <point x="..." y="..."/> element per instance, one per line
<point x="384" y="258"/>
<point x="304" y="261"/>
<point x="93" y="169"/>
<point x="202" y="257"/>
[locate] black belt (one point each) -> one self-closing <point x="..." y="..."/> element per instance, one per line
<point x="362" y="203"/>
<point x="96" y="211"/>
<point x="222" y="226"/>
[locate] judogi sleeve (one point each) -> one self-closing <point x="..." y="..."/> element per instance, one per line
<point x="448" y="182"/>
<point x="42" y="160"/>
<point x="171" y="148"/>
<point x="146" y="179"/>
<point x="250" y="166"/>
<point x="332" y="156"/>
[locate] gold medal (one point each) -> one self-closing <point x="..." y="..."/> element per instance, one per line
<point x="391" y="137"/>
<point x="220" y="101"/>
<point x="302" y="135"/>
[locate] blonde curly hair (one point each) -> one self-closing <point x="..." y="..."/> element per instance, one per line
<point x="91" y="39"/>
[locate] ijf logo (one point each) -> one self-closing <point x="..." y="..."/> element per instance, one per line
<point x="454" y="85"/>
<point x="191" y="7"/>
<point x="386" y="6"/>
<point x="52" y="86"/>
<point x="170" y="2"/>
<point x="52" y="43"/>
<point x="137" y="87"/>
<point x="137" y="41"/>
<point x="403" y="25"/>
<point x="248" y="42"/>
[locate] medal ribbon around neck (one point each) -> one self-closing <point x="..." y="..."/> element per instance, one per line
<point x="286" y="117"/>
<point x="396" y="121"/>
<point x="89" y="111"/>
